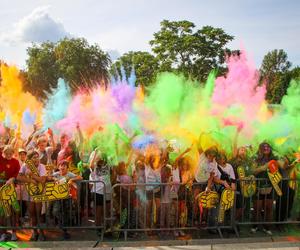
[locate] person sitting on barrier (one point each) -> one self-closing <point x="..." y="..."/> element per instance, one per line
<point x="62" y="209"/>
<point x="9" y="169"/>
<point x="263" y="200"/>
<point x="26" y="175"/>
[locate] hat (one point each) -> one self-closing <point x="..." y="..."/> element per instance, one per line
<point x="22" y="150"/>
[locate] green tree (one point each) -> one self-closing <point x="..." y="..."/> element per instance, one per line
<point x="275" y="74"/>
<point x="144" y="65"/>
<point x="179" y="47"/>
<point x="79" y="63"/>
<point x="295" y="73"/>
<point x="42" y="70"/>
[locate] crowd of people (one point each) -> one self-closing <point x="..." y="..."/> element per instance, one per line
<point x="141" y="191"/>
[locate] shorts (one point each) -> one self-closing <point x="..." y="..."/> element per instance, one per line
<point x="260" y="196"/>
<point x="151" y="193"/>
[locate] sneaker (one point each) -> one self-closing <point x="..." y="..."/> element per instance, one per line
<point x="268" y="232"/>
<point x="13" y="237"/>
<point x="66" y="236"/>
<point x="41" y="237"/>
<point x="254" y="230"/>
<point x="182" y="233"/>
<point x="4" y="237"/>
<point x="34" y="236"/>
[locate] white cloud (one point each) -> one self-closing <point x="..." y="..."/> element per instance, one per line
<point x="37" y="27"/>
<point x="114" y="54"/>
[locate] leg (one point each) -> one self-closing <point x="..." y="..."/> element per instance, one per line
<point x="157" y="207"/>
<point x="149" y="213"/>
<point x="33" y="219"/>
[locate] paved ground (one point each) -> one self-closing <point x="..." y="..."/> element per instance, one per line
<point x="225" y="244"/>
<point x="87" y="239"/>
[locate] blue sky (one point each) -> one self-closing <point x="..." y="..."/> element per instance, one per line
<point x="119" y="26"/>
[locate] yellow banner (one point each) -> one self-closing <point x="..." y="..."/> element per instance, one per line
<point x="275" y="178"/>
<point x="248" y="184"/>
<point x="53" y="191"/>
<point x="208" y="199"/>
<point x="74" y="169"/>
<point x="8" y="200"/>
<point x="226" y="202"/>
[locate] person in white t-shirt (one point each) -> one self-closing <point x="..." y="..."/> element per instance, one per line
<point x="203" y="180"/>
<point x="100" y="185"/>
<point x="63" y="208"/>
<point x="224" y="173"/>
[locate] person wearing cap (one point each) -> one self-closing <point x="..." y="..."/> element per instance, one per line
<point x="22" y="156"/>
<point x="9" y="169"/>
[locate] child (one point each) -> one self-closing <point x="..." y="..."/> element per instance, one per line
<point x="62" y="208"/>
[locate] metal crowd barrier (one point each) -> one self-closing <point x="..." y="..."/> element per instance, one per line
<point x="75" y="212"/>
<point x="142" y="208"/>
<point x="263" y="208"/>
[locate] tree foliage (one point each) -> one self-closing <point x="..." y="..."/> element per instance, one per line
<point x="179" y="47"/>
<point x="79" y="63"/>
<point x="275" y="74"/>
<point x="144" y="65"/>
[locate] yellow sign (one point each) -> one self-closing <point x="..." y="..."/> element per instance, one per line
<point x="208" y="199"/>
<point x="49" y="169"/>
<point x="34" y="189"/>
<point x="53" y="191"/>
<point x="227" y="201"/>
<point x="248" y="184"/>
<point x="275" y="179"/>
<point x="50" y="191"/>
<point x="74" y="169"/>
<point x="8" y="199"/>
<point x="32" y="167"/>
